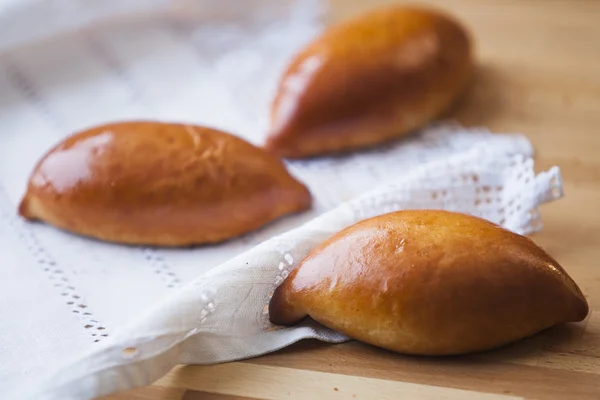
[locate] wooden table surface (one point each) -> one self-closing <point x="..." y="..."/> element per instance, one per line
<point x="539" y="74"/>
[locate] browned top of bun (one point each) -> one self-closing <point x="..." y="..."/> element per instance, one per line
<point x="429" y="282"/>
<point x="369" y="79"/>
<point x="160" y="183"/>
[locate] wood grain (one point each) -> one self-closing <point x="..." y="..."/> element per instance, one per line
<point x="539" y="74"/>
<point x="269" y="382"/>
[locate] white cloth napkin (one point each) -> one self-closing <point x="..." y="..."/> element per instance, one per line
<point x="81" y="318"/>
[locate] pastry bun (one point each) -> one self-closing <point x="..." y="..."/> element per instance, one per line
<point x="429" y="283"/>
<point x="374" y="78"/>
<point x="162" y="184"/>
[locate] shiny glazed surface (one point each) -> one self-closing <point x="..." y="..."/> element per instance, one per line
<point x="429" y="283"/>
<point x="159" y="183"/>
<point x="368" y="80"/>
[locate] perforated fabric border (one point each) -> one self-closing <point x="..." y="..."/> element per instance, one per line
<point x="53" y="270"/>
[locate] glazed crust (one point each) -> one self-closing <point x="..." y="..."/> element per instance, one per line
<point x="368" y="80"/>
<point x="429" y="283"/>
<point x="154" y="183"/>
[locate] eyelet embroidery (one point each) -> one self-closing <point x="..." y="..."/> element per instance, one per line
<point x="161" y="267"/>
<point x="55" y="274"/>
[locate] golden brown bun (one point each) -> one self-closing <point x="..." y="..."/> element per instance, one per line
<point x="369" y="80"/>
<point x="429" y="283"/>
<point x="160" y="184"/>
